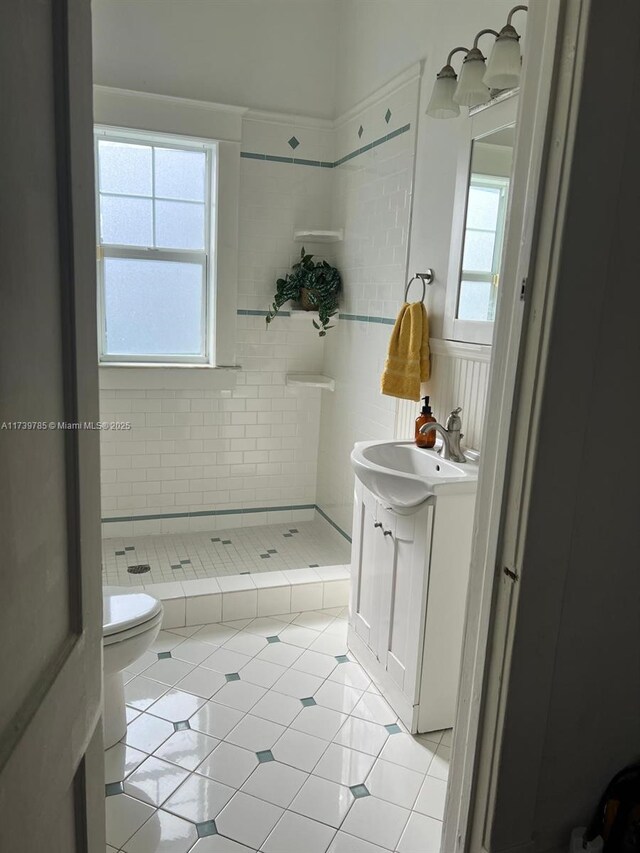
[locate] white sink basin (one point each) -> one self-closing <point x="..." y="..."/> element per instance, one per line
<point x="404" y="475"/>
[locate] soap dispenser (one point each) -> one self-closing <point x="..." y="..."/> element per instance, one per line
<point x="425" y="417"/>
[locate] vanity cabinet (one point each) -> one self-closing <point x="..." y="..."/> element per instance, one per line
<point x="409" y="581"/>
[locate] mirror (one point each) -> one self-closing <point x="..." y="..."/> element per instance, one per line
<point x="486" y="207"/>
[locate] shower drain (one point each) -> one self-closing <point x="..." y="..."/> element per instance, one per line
<point x="139" y="569"/>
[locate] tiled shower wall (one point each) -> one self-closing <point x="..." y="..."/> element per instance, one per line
<point x="372" y="200"/>
<point x="255" y="447"/>
<point x="264" y="445"/>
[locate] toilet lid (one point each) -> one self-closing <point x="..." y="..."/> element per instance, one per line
<point x="125" y="610"/>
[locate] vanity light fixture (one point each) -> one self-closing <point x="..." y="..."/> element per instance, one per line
<point x="472" y="90"/>
<point x="442" y="104"/>
<point x="505" y="62"/>
<point x="479" y="81"/>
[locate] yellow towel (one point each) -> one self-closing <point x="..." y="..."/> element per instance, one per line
<point x="408" y="361"/>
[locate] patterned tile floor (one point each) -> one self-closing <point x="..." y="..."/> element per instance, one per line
<point x="264" y="735"/>
<point x="188" y="556"/>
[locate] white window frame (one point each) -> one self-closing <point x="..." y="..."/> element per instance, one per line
<point x="207" y="256"/>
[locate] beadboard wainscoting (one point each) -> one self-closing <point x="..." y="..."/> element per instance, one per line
<point x="459" y="377"/>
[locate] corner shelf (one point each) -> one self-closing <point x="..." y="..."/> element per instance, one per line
<point x="301" y="314"/>
<point x="318" y="236"/>
<point x="311" y="380"/>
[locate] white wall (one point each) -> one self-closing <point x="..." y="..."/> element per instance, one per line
<point x="372" y="202"/>
<point x="455" y="23"/>
<point x="377" y="39"/>
<point x="267" y="54"/>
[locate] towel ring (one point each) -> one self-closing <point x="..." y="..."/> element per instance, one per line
<point x="425" y="277"/>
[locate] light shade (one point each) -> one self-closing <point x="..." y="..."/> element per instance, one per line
<point x="505" y="62"/>
<point x="442" y="104"/>
<point x="472" y="90"/>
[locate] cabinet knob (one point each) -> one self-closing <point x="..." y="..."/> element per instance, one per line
<point x="378" y="524"/>
<point x="388" y="532"/>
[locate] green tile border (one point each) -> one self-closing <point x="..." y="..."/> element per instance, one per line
<point x="323" y="164"/>
<point x="373" y="144"/>
<point x="207" y="512"/>
<point x="258" y="312"/>
<point x="367" y="318"/>
<point x="222" y="512"/>
<point x="332" y="523"/>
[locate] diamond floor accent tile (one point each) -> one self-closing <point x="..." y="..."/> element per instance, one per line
<point x="301" y="747"/>
<point x="206" y="828"/>
<point x="265" y="755"/>
<point x="360" y="791"/>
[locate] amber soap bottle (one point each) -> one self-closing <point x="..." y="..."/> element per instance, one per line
<point x="425" y="417"/>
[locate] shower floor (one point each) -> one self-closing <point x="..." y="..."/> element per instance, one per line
<point x="239" y="550"/>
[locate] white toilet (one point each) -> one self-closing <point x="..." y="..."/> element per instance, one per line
<point x="130" y="623"/>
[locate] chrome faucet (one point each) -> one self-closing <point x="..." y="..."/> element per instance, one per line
<point x="451" y="436"/>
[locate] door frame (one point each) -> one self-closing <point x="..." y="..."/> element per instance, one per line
<point x="545" y="134"/>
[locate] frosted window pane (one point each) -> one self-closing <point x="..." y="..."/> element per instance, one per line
<point x="152" y="307"/>
<point x="478" y="251"/>
<point x="179" y="225"/>
<point x="482" y="209"/>
<point x="180" y="174"/>
<point x="477" y="300"/>
<point x="126" y="221"/>
<point x="124" y="168"/>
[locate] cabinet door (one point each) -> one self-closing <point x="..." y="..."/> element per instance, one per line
<point x="366" y="591"/>
<point x="384" y="563"/>
<point x="404" y="554"/>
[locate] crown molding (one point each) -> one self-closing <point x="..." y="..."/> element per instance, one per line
<point x="154" y="96"/>
<point x="289" y="119"/>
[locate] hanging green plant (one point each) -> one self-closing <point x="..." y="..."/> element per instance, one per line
<point x="315" y="285"/>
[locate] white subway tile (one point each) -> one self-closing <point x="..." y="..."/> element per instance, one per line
<point x="202" y="609"/>
<point x="274" y="600"/>
<point x="239" y="605"/>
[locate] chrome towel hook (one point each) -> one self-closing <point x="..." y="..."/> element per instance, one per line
<point x="425" y="277"/>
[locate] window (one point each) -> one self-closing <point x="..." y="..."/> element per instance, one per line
<point x="155" y="264"/>
<point x="483" y="238"/>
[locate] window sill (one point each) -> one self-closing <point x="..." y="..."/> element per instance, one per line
<point x="112" y="376"/>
